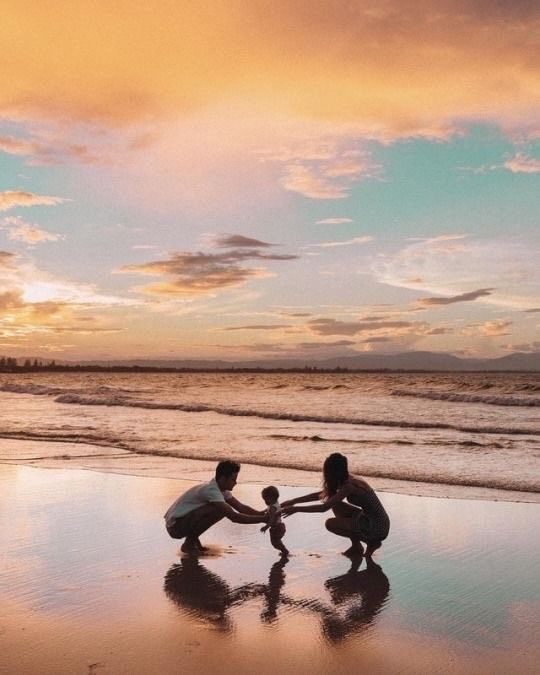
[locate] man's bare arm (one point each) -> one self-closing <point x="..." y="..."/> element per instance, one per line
<point x="228" y="511"/>
<point x="243" y="508"/>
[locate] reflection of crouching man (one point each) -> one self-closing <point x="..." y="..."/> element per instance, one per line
<point x="204" y="505"/>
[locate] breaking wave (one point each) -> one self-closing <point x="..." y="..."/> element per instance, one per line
<point x="435" y="395"/>
<point x="76" y="399"/>
<point x="47" y="390"/>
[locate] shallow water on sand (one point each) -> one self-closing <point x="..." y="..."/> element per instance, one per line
<point x="91" y="583"/>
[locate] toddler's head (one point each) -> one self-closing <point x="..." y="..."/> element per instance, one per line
<point x="270" y="495"/>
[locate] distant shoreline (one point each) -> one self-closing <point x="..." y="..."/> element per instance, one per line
<point x="307" y="370"/>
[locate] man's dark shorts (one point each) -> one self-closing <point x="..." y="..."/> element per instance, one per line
<point x="183" y="526"/>
<point x="180" y="527"/>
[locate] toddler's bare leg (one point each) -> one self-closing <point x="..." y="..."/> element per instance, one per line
<point x="276" y="535"/>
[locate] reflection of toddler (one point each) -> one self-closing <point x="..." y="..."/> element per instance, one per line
<point x="276" y="526"/>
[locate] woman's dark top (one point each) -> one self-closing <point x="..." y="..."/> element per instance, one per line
<point x="373" y="511"/>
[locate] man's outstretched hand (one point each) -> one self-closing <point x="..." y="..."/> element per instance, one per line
<point x="288" y="511"/>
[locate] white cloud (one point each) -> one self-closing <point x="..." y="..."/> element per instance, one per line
<point x="454" y="265"/>
<point x="348" y="242"/>
<point x="19" y="230"/>
<point x="334" y="221"/>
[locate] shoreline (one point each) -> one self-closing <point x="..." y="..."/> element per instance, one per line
<point x="109" y="459"/>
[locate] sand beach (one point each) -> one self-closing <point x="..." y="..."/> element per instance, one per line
<point x="91" y="583"/>
<point x="269" y="232"/>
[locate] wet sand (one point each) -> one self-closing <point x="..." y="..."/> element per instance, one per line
<point x="91" y="583"/>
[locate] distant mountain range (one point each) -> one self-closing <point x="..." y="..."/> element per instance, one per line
<point x="404" y="361"/>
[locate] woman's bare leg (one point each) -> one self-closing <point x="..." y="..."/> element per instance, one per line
<point x="343" y="527"/>
<point x="372" y="547"/>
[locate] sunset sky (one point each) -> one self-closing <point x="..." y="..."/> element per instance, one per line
<point x="245" y="179"/>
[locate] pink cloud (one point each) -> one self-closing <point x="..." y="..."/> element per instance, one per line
<point x="303" y="179"/>
<point x="521" y="163"/>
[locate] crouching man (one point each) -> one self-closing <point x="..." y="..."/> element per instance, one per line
<point x="204" y="505"/>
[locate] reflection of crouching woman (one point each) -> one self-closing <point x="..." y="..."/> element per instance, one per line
<point x="204" y="505"/>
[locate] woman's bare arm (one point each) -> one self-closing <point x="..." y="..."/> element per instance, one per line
<point x="320" y="508"/>
<point x="311" y="497"/>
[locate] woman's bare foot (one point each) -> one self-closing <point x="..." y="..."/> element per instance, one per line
<point x="372" y="547"/>
<point x="354" y="550"/>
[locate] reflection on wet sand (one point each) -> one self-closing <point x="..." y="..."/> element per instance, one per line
<point x="361" y="594"/>
<point x="204" y="594"/>
<point x="357" y="597"/>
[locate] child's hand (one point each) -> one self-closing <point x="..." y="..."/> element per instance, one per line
<point x="264" y="528"/>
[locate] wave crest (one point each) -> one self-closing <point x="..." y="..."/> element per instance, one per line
<point x="434" y="395"/>
<point x="274" y="415"/>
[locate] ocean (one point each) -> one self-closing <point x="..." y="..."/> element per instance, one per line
<point x="424" y="433"/>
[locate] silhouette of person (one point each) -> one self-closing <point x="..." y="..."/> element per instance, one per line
<point x="357" y="597"/>
<point x="204" y="594"/>
<point x="366" y="592"/>
<point x="273" y="590"/>
<point x="358" y="513"/>
<point x="204" y="505"/>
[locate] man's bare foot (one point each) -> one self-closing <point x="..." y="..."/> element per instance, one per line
<point x="371" y="548"/>
<point x="199" y="546"/>
<point x="354" y="550"/>
<point x="190" y="546"/>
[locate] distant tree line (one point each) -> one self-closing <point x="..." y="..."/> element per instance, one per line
<point x="8" y="364"/>
<point x="12" y="365"/>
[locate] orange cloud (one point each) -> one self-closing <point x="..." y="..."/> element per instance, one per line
<point x="203" y="273"/>
<point x="495" y="328"/>
<point x="403" y="65"/>
<point x="274" y="326"/>
<point x="18" y="146"/>
<point x="334" y="327"/>
<point x="13" y="198"/>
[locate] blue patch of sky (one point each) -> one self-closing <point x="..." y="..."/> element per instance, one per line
<point x="428" y="188"/>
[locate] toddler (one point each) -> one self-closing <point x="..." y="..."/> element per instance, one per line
<point x="276" y="526"/>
